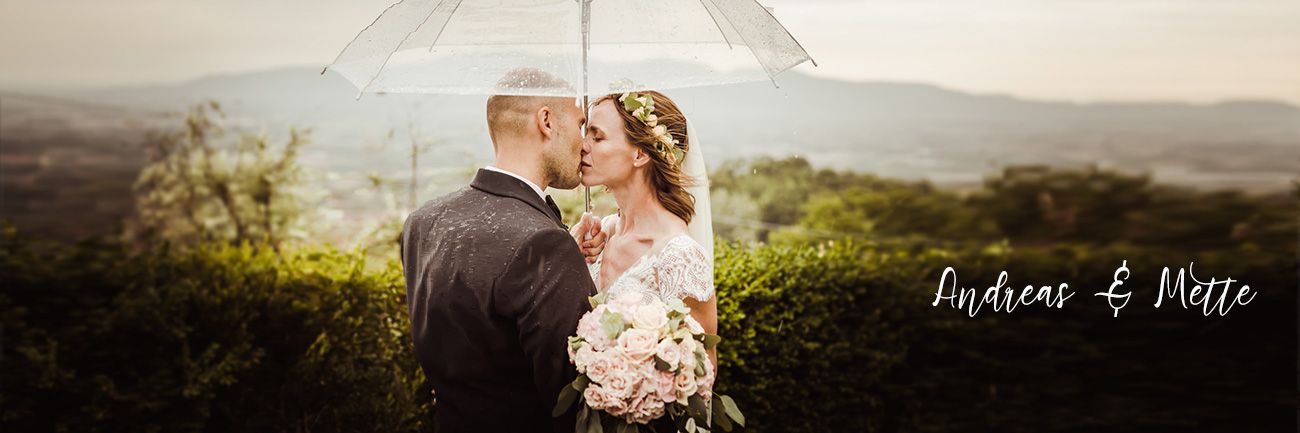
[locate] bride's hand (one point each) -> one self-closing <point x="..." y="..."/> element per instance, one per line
<point x="591" y="246"/>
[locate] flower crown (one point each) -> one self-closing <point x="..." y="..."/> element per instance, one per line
<point x="642" y="107"/>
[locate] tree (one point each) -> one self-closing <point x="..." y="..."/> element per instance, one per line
<point x="200" y="186"/>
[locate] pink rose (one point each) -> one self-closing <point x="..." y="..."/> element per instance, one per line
<point x="620" y="383"/>
<point x="705" y="382"/>
<point x="601" y="366"/>
<point x="686" y="350"/>
<point x="685" y="385"/>
<point x="638" y="344"/>
<point x="664" y="386"/>
<point x="596" y="396"/>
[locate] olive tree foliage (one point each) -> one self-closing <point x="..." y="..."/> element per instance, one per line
<point x="207" y="182"/>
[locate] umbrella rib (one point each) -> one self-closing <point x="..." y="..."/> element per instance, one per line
<point x="751" y="48"/>
<point x="454" y="8"/>
<point x="399" y="46"/>
<point x="787" y="33"/>
<point x="716" y="23"/>
<point x="358" y="36"/>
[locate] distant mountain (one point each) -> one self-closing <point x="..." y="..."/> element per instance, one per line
<point x="893" y="129"/>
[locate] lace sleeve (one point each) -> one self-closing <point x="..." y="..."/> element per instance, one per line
<point x="684" y="270"/>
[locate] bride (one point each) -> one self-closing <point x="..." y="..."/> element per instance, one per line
<point x="638" y="146"/>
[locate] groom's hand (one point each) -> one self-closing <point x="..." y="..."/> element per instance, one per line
<point x="592" y="245"/>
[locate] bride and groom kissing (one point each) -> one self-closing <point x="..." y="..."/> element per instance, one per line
<point x="496" y="283"/>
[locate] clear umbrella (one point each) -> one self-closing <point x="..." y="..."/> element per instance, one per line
<point x="467" y="46"/>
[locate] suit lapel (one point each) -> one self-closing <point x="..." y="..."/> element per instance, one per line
<point x="504" y="185"/>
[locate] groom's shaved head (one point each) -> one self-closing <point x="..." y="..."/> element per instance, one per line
<point x="510" y="114"/>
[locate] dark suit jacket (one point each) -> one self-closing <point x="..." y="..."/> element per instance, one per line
<point x="495" y="285"/>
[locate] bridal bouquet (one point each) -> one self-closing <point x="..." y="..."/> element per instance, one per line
<point x="638" y="362"/>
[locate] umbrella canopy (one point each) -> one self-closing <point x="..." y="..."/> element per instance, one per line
<point x="600" y="46"/>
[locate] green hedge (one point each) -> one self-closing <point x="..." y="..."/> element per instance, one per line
<point x="828" y="338"/>
<point x="218" y="339"/>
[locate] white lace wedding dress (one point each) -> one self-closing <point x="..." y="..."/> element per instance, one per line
<point x="679" y="268"/>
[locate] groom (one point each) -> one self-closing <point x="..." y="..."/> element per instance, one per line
<point x="494" y="281"/>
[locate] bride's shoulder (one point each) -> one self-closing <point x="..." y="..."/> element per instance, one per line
<point x="684" y="246"/>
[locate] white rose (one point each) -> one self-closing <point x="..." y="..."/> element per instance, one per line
<point x="693" y="325"/>
<point x="583" y="357"/>
<point x="652" y="120"/>
<point x="642" y="100"/>
<point x="650" y="316"/>
<point x="638" y="112"/>
<point x="638" y="344"/>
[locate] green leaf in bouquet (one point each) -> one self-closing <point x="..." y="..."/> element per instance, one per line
<point x="566" y="399"/>
<point x="612" y="324"/>
<point x="732" y="411"/>
<point x="598" y="299"/>
<point x="679" y="418"/>
<point x="575" y="342"/>
<point x="661" y="365"/>
<point x="698" y="411"/>
<point x="580" y="384"/>
<point x="674" y="322"/>
<point x="711" y="341"/>
<point x="593" y="423"/>
<point x="624" y="427"/>
<point x="719" y="414"/>
<point x="581" y="425"/>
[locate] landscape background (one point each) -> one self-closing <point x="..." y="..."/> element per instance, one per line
<point x="198" y="231"/>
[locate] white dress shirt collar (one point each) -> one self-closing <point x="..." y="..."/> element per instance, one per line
<point x="526" y="181"/>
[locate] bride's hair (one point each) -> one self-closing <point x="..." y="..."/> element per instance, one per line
<point x="666" y="176"/>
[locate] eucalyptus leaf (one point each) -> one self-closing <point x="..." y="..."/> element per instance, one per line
<point x="711" y="341"/>
<point x="720" y="417"/>
<point x="697" y="409"/>
<point x="732" y="411"/>
<point x="580" y="384"/>
<point x="566" y="399"/>
<point x="612" y="324"/>
<point x="593" y="423"/>
<point x="661" y="365"/>
<point x="581" y="425"/>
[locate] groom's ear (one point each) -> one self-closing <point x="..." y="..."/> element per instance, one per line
<point x="545" y="120"/>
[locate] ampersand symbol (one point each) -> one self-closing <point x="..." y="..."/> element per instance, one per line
<point x="1110" y="294"/>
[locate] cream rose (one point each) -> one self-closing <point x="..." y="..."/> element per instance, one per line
<point x="638" y="344"/>
<point x="684" y="384"/>
<point x="667" y="352"/>
<point x="650" y="316"/>
<point x="624" y="302"/>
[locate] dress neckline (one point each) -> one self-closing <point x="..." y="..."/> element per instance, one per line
<point x="600" y="262"/>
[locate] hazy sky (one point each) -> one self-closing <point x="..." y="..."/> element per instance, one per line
<point x="1080" y="50"/>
